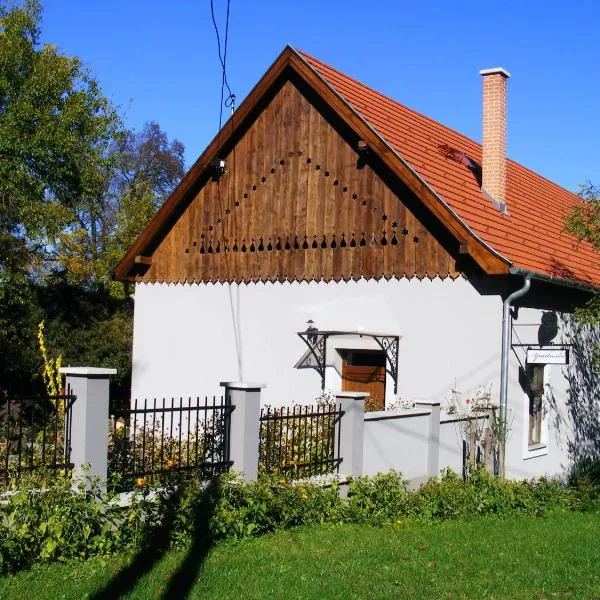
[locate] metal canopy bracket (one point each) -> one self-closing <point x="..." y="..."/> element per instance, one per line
<point x="389" y="344"/>
<point x="317" y="357"/>
<point x="317" y="344"/>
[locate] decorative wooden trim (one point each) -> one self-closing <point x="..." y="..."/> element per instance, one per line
<point x="490" y="262"/>
<point x="121" y="270"/>
<point x="485" y="257"/>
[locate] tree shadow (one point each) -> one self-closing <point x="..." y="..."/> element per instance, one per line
<point x="158" y="543"/>
<point x="583" y="394"/>
<point x="183" y="579"/>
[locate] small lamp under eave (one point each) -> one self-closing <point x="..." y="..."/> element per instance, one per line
<point x="311" y="330"/>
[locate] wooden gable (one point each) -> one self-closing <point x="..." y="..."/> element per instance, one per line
<point x="300" y="201"/>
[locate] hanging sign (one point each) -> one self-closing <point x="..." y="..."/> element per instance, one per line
<point x="548" y="356"/>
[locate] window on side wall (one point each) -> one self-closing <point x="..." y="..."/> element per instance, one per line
<point x="536" y="404"/>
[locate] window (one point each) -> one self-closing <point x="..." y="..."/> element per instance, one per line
<point x="536" y="397"/>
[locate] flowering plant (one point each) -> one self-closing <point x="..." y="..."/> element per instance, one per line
<point x="325" y="398"/>
<point x="51" y="368"/>
<point x="469" y="409"/>
<point x="399" y="403"/>
<point x="465" y="405"/>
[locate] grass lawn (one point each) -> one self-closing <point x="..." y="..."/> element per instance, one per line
<point x="546" y="558"/>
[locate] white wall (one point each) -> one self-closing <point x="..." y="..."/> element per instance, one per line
<point x="553" y="458"/>
<point x="397" y="441"/>
<point x="184" y="345"/>
<point x="184" y="341"/>
<point x="451" y="452"/>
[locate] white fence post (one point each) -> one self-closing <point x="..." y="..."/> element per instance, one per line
<point x="89" y="419"/>
<point x="433" y="439"/>
<point x="245" y="426"/>
<point x="350" y="429"/>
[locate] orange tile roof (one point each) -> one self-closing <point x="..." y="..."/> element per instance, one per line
<point x="530" y="235"/>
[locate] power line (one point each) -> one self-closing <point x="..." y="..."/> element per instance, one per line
<point x="228" y="102"/>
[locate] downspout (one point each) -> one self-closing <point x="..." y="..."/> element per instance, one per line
<point x="504" y="368"/>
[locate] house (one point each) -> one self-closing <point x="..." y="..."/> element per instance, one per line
<point x="330" y="237"/>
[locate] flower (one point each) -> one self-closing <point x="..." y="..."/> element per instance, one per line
<point x="140" y="481"/>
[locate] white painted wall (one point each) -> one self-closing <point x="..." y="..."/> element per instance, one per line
<point x="450" y="444"/>
<point x="184" y="341"/>
<point x="184" y="345"/>
<point x="397" y="441"/>
<point x="557" y="428"/>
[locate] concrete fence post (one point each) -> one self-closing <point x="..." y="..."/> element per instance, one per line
<point x="351" y="431"/>
<point x="89" y="419"/>
<point x="433" y="437"/>
<point x="245" y="426"/>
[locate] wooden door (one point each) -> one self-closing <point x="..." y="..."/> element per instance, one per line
<point x="364" y="371"/>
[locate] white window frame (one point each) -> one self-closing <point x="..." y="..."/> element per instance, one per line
<point x="540" y="449"/>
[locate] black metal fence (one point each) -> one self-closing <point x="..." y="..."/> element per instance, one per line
<point x="301" y="441"/>
<point x="35" y="434"/>
<point x="160" y="441"/>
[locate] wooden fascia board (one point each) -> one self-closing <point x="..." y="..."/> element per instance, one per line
<point x="122" y="270"/>
<point x="486" y="258"/>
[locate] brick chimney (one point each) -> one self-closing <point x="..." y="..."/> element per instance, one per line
<point x="494" y="135"/>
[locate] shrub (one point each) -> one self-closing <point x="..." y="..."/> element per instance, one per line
<point x="377" y="499"/>
<point x="583" y="479"/>
<point x="483" y="494"/>
<point x="46" y="520"/>
<point x="587" y="469"/>
<point x="250" y="509"/>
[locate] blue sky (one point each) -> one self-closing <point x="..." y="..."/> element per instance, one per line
<point x="158" y="61"/>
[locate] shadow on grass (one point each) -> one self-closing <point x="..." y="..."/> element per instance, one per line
<point x="183" y="579"/>
<point x="157" y="545"/>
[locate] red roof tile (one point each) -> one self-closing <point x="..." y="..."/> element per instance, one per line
<point x="530" y="235"/>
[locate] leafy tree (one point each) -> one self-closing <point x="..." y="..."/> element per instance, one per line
<point x="584" y="222"/>
<point x="142" y="169"/>
<point x="148" y="167"/>
<point x="88" y="327"/>
<point x="75" y="190"/>
<point x="55" y="127"/>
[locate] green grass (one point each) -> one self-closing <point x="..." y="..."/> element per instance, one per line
<point x="520" y="558"/>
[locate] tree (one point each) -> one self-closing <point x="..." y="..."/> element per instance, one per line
<point x="145" y="169"/>
<point x="55" y="126"/>
<point x="141" y="169"/>
<point x="584" y="222"/>
<point x="76" y="189"/>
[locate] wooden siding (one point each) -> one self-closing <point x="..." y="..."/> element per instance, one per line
<point x="294" y="205"/>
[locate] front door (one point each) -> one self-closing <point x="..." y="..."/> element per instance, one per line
<point x="364" y="371"/>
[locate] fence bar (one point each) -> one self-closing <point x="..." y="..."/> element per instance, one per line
<point x="301" y="442"/>
<point x="167" y="452"/>
<point x="32" y="431"/>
